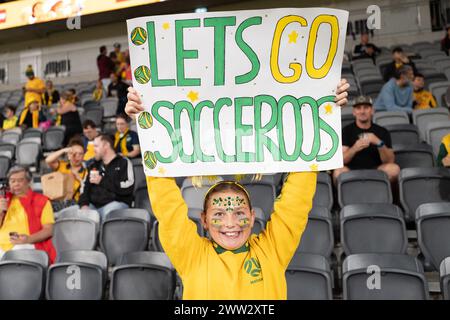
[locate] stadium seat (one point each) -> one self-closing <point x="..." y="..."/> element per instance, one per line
<point x="22" y="274"/>
<point x="7" y="150"/>
<point x="373" y="228"/>
<point x="95" y="114"/>
<point x="309" y="277"/>
<point x="433" y="236"/>
<point x="142" y="201"/>
<point x="12" y="137"/>
<point x="32" y="133"/>
<point x="124" y="231"/>
<point x="445" y="278"/>
<point x="403" y="133"/>
<point x="5" y="163"/>
<point x="53" y="138"/>
<point x="363" y="186"/>
<point x="28" y="154"/>
<point x="422" y="185"/>
<point x="421" y="118"/>
<point x="77" y="275"/>
<point x="393" y="277"/>
<point x="324" y="191"/>
<point x="386" y="118"/>
<point x="143" y="276"/>
<point x="434" y="133"/>
<point x="318" y="236"/>
<point x="414" y="155"/>
<point x="194" y="196"/>
<point x="262" y="193"/>
<point x="438" y="89"/>
<point x="74" y="233"/>
<point x="109" y="106"/>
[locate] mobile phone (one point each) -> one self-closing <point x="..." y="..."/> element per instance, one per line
<point x="13" y="234"/>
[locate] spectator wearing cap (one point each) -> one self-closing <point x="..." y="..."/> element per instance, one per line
<point x="365" y="49"/>
<point x="399" y="59"/>
<point x="34" y="88"/>
<point x="397" y="93"/>
<point x="366" y="145"/>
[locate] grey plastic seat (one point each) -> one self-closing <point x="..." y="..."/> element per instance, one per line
<point x="445" y="278"/>
<point x="308" y="277"/>
<point x="433" y="236"/>
<point x="28" y="153"/>
<point x="74" y="233"/>
<point x="318" y="236"/>
<point x="194" y="196"/>
<point x="403" y="133"/>
<point x="421" y="118"/>
<point x="422" y="185"/>
<point x="435" y="132"/>
<point x="53" y="138"/>
<point x="401" y="277"/>
<point x="124" y="231"/>
<point x="7" y="150"/>
<point x="109" y="106"/>
<point x="363" y="186"/>
<point x="11" y="137"/>
<point x="438" y="89"/>
<point x="143" y="276"/>
<point x="142" y="201"/>
<point x="95" y="114"/>
<point x="324" y="191"/>
<point x="262" y="193"/>
<point x="385" y="118"/>
<point x="5" y="163"/>
<point x="32" y="133"/>
<point x="77" y="275"/>
<point x="22" y="274"/>
<point x="140" y="180"/>
<point x="414" y="155"/>
<point x="373" y="228"/>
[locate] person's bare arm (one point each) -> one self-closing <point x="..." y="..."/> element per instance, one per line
<point x="350" y="152"/>
<point x="52" y="159"/>
<point x="44" y="234"/>
<point x="386" y="154"/>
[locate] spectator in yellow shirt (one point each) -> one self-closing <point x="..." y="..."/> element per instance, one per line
<point x="74" y="167"/>
<point x="10" y="121"/>
<point x="234" y="264"/>
<point x="98" y="93"/>
<point x="34" y="88"/>
<point x="443" y="158"/>
<point x="423" y="99"/>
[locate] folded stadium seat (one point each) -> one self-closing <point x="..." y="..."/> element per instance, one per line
<point x="433" y="236"/>
<point x="28" y="154"/>
<point x="262" y="193"/>
<point x="194" y="196"/>
<point x="22" y="274"/>
<point x="12" y="137"/>
<point x="140" y="180"/>
<point x="123" y="231"/>
<point x="445" y="278"/>
<point x="324" y="191"/>
<point x="438" y="89"/>
<point x="434" y="77"/>
<point x="371" y="87"/>
<point x="53" y="138"/>
<point x="75" y="230"/>
<point x="77" y="275"/>
<point x="8" y="150"/>
<point x="109" y="106"/>
<point x="373" y="228"/>
<point x="143" y="276"/>
<point x="318" y="236"/>
<point x="385" y="118"/>
<point x="5" y="163"/>
<point x="363" y="186"/>
<point x="90" y="104"/>
<point x="95" y="114"/>
<point x="393" y="277"/>
<point x="421" y="118"/>
<point x="435" y="131"/>
<point x="403" y="133"/>
<point x="414" y="155"/>
<point x="32" y="133"/>
<point x="422" y="185"/>
<point x="37" y="140"/>
<point x="309" y="277"/>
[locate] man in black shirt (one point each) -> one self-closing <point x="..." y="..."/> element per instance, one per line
<point x="118" y="88"/>
<point x="366" y="145"/>
<point x="365" y="49"/>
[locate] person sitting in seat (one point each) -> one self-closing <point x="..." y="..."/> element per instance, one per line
<point x="423" y="99"/>
<point x="10" y="121"/>
<point x="443" y="158"/>
<point x="399" y="59"/>
<point x="26" y="217"/>
<point x="126" y="141"/>
<point x="366" y="145"/>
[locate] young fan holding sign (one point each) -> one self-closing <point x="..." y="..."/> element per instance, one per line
<point x="202" y="126"/>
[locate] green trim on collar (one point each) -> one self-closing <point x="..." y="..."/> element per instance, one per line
<point x="221" y="250"/>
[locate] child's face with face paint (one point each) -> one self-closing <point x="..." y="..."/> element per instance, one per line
<point x="228" y="219"/>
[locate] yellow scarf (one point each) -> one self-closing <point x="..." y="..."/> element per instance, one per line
<point x="123" y="142"/>
<point x="35" y="117"/>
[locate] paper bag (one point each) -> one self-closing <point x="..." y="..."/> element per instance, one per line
<point x="57" y="186"/>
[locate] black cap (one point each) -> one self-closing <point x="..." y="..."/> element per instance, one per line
<point x="362" y="100"/>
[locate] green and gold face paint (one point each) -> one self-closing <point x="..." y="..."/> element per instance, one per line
<point x="228" y="203"/>
<point x="244" y="223"/>
<point x="216" y="223"/>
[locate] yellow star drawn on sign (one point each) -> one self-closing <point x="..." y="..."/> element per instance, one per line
<point x="314" y="167"/>
<point x="161" y="170"/>
<point x="166" y="25"/>
<point x="192" y="95"/>
<point x="328" y="109"/>
<point x="293" y="37"/>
